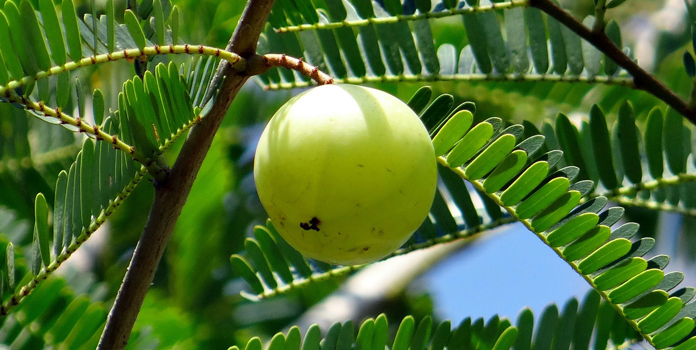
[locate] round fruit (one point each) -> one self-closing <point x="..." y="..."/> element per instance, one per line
<point x="346" y="173"/>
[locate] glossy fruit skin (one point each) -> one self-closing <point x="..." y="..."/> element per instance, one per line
<point x="346" y="173"/>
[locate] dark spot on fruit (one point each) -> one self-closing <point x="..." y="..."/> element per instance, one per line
<point x="360" y="166"/>
<point x="389" y="170"/>
<point x="311" y="225"/>
<point x="365" y="249"/>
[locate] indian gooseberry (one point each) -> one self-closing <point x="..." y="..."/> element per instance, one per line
<point x="346" y="173"/>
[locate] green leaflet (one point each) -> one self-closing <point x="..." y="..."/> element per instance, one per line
<point x="380" y="335"/>
<point x="292" y="256"/>
<point x="620" y="273"/>
<point x="98" y="106"/>
<point x="604" y="255"/>
<point x="477" y="41"/>
<point x="111" y="26"/>
<point x="542" y="198"/>
<point x="516" y="34"/>
<point x="689" y="344"/>
<point x="653" y="142"/>
<point x="71" y="30"/>
<point x="573" y="48"/>
<point x="174" y="18"/>
<point x="437" y="110"/>
<point x="490" y="157"/>
<point x="7" y="50"/>
<point x="294" y="339"/>
<point x="54" y="32"/>
<point x="566" y="325"/>
<point x="591" y="56"/>
<point x="159" y="21"/>
<point x="505" y="171"/>
<point x="59" y="212"/>
<point x="134" y="29"/>
<point x="568" y="138"/>
<point x="365" y="334"/>
<point x="20" y="38"/>
<point x="673" y="140"/>
<point x="242" y="269"/>
<point x="660" y="316"/>
<point x="268" y="244"/>
<point x="587" y="243"/>
<point x="537" y="39"/>
<point x="4" y="74"/>
<point x="253" y="344"/>
<point x="494" y="40"/>
<point x="452" y="131"/>
<point x="524" y="184"/>
<point x="420" y="99"/>
<point x="404" y="334"/>
<point x="470" y="144"/>
<point x="558" y="47"/>
<point x="635" y="286"/>
<point x="628" y="142"/>
<point x="573" y="229"/>
<point x="600" y="145"/>
<point x="426" y="47"/>
<point x="674" y="333"/>
<point x="259" y="262"/>
<point x="556" y="211"/>
<point x="441" y="335"/>
<point x="41" y="240"/>
<point x="614" y="33"/>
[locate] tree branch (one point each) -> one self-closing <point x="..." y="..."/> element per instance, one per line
<point x="282" y="60"/>
<point x="643" y="80"/>
<point x="171" y="194"/>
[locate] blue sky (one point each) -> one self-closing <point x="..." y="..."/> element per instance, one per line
<point x="502" y="274"/>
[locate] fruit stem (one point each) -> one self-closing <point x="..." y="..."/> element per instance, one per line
<point x="282" y="60"/>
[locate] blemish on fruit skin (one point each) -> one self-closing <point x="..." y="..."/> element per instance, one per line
<point x="360" y="166"/>
<point x="313" y="224"/>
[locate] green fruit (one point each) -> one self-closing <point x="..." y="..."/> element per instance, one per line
<point x="346" y="173"/>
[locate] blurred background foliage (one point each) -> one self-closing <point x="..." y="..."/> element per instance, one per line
<point x="195" y="300"/>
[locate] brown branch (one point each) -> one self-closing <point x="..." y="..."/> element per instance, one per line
<point x="282" y="60"/>
<point x="171" y="194"/>
<point x="643" y="80"/>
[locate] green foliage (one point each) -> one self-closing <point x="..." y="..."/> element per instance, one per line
<point x="613" y="143"/>
<point x="324" y="37"/>
<point x="542" y="194"/>
<point x="574" y="326"/>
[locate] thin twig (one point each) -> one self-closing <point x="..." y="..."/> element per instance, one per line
<point x="349" y="23"/>
<point x="643" y="80"/>
<point x="600" y="10"/>
<point x="80" y="126"/>
<point x="282" y="60"/>
<point x="128" y="54"/>
<point x="171" y="194"/>
<point x="613" y="81"/>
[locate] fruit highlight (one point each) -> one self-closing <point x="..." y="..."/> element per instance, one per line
<point x="346" y="173"/>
